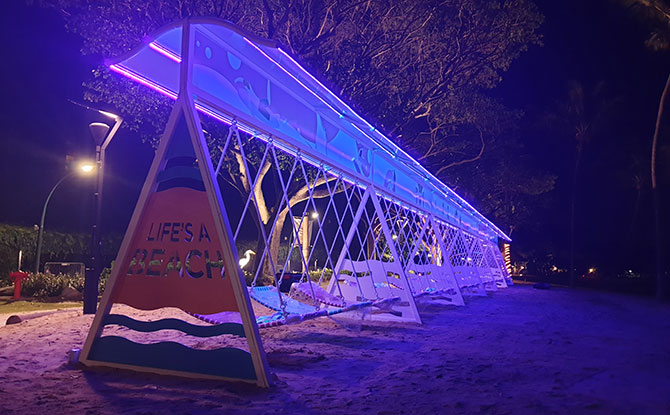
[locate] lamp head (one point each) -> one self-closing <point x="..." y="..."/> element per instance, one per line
<point x="99" y="131"/>
<point x="86" y="167"/>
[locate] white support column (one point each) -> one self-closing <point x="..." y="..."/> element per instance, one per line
<point x="468" y="254"/>
<point x="347" y="242"/>
<point x="415" y="249"/>
<point x="498" y="275"/>
<point x="489" y="286"/>
<point x="446" y="262"/>
<point x="414" y="313"/>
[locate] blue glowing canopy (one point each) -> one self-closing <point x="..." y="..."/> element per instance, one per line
<point x="237" y="77"/>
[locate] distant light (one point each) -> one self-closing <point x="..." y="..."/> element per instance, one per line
<point x="554" y="268"/>
<point x="315" y="215"/>
<point x="507" y="258"/>
<point x="86" y="167"/>
<point x="592" y="270"/>
<point x="165" y="51"/>
<point x="394" y="237"/>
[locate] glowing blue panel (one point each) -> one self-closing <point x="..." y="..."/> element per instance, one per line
<point x="252" y="81"/>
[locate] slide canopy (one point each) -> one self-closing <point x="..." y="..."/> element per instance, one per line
<point x="239" y="78"/>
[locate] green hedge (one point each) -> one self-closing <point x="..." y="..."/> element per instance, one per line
<point x="104" y="277"/>
<point x="56" y="246"/>
<point x="50" y="285"/>
<point x="315" y="275"/>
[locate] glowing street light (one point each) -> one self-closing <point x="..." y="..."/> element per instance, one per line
<point x="83" y="168"/>
<point x="87" y="167"/>
<point x="102" y="135"/>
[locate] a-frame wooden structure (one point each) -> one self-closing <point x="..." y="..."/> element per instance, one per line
<point x="178" y="251"/>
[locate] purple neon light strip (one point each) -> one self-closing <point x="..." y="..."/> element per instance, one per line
<point x="165" y="51"/>
<point x="171" y="94"/>
<point x="144" y="81"/>
<point x="226" y="120"/>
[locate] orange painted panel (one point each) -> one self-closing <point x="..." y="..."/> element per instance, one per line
<point x="176" y="259"/>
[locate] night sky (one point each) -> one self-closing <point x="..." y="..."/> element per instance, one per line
<point x="594" y="42"/>
<point x="588" y="41"/>
<point x="39" y="127"/>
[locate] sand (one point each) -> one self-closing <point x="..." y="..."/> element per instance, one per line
<point x="517" y="351"/>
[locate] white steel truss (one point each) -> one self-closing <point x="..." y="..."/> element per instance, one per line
<point x="331" y="213"/>
<point x="361" y="244"/>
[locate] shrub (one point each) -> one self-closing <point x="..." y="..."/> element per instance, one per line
<point x="104" y="277"/>
<point x="261" y="281"/>
<point x="50" y="285"/>
<point x="315" y="275"/>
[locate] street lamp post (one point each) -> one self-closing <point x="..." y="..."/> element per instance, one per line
<point x="102" y="135"/>
<point x="315" y="218"/>
<point x="84" y="168"/>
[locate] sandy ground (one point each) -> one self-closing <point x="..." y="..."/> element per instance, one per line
<point x="518" y="351"/>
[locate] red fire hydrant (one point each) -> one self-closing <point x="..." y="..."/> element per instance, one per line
<point x="18" y="277"/>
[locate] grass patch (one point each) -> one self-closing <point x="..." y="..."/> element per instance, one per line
<point x="13" y="307"/>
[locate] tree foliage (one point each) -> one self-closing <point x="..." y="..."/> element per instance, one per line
<point x="657" y="14"/>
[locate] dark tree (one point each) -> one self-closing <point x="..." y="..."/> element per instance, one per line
<point x="657" y="13"/>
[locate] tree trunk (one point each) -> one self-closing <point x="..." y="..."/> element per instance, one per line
<point x="660" y="283"/>
<point x="299" y="196"/>
<point x="370" y="242"/>
<point x="275" y="241"/>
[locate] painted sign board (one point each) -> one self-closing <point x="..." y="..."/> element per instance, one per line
<point x="179" y="252"/>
